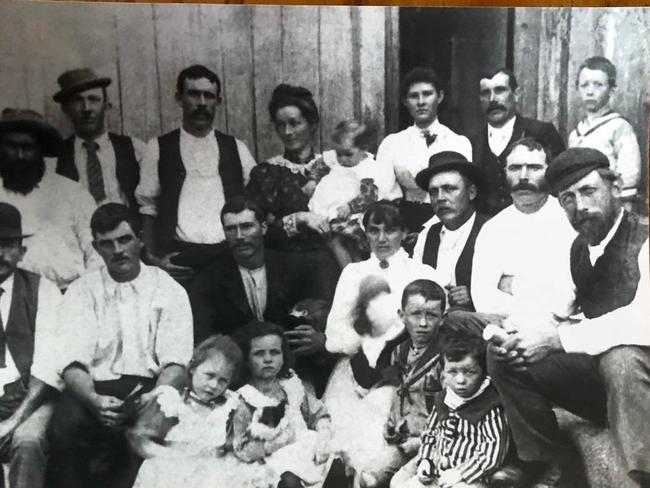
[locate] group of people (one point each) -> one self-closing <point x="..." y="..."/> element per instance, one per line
<point x="333" y="319"/>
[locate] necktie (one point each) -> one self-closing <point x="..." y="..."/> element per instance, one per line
<point x="3" y="340"/>
<point x="257" y="308"/>
<point x="429" y="138"/>
<point x="94" y="172"/>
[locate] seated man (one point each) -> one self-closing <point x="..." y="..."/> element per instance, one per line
<point x="251" y="282"/>
<point x="28" y="307"/>
<point x="599" y="367"/>
<point x="127" y="328"/>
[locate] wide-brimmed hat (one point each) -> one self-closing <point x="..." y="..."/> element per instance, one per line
<point x="78" y="80"/>
<point x="449" y="161"/>
<point x="10" y="222"/>
<point x="17" y="119"/>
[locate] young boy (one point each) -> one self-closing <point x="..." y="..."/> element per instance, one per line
<point x="466" y="438"/>
<point x="415" y="371"/>
<point x="604" y="129"/>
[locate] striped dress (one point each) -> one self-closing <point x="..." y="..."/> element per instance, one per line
<point x="472" y="439"/>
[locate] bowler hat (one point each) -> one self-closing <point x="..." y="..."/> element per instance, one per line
<point x="16" y="119"/>
<point x="449" y="161"/>
<point x="78" y="80"/>
<point x="572" y="165"/>
<point x="10" y="222"/>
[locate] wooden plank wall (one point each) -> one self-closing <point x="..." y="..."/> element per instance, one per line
<point x="550" y="44"/>
<point x="336" y="52"/>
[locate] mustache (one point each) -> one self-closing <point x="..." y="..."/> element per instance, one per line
<point x="525" y="185"/>
<point x="201" y="111"/>
<point x="495" y="106"/>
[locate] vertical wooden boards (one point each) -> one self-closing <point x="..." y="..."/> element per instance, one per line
<point x="267" y="68"/>
<point x="526" y="57"/>
<point x="336" y="69"/>
<point x="392" y="70"/>
<point x="372" y="66"/>
<point x="138" y="75"/>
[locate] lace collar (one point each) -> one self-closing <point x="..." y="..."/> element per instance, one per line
<point x="302" y="168"/>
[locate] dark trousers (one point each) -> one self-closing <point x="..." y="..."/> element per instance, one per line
<point x="86" y="453"/>
<point x="613" y="388"/>
<point x="27" y="448"/>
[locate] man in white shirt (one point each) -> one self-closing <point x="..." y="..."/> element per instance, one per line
<point x="28" y="312"/>
<point x="522" y="250"/>
<point x="187" y="175"/>
<point x="448" y="245"/>
<point x="499" y="94"/>
<point x="597" y="367"/>
<point x="54" y="209"/>
<point x="407" y="152"/>
<point x="106" y="164"/>
<point x="127" y="328"/>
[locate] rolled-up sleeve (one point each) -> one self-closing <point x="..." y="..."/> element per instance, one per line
<point x="175" y="334"/>
<point x="148" y="189"/>
<point x="46" y="337"/>
<point x="247" y="160"/>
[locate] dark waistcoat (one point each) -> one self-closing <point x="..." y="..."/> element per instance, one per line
<point x="612" y="282"/>
<point x="171" y="172"/>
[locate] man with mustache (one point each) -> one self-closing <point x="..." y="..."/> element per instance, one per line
<point x="251" y="282"/>
<point x="499" y="94"/>
<point x="598" y="365"/>
<point x="106" y="164"/>
<point x="453" y="184"/>
<point x="521" y="251"/>
<point x="126" y="330"/>
<point x="54" y="208"/>
<point x="28" y="380"/>
<point x="187" y="175"/>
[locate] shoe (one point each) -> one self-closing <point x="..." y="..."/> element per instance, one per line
<point x="550" y="476"/>
<point x="507" y="477"/>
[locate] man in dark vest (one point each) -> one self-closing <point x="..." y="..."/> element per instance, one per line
<point x="499" y="94"/>
<point x="597" y="366"/>
<point x="107" y="164"/>
<point x="28" y="308"/>
<point x="187" y="175"/>
<point x="452" y="183"/>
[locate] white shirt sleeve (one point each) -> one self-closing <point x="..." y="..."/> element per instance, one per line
<point x="486" y="274"/>
<point x="140" y="148"/>
<point x="628" y="325"/>
<point x="387" y="185"/>
<point x="84" y="207"/>
<point x="465" y="147"/>
<point x="148" y="189"/>
<point x="628" y="158"/>
<point x="175" y="335"/>
<point x="46" y="336"/>
<point x="247" y="160"/>
<point x="339" y="331"/>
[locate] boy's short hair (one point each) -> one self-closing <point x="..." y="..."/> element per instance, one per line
<point x="362" y="136"/>
<point x="214" y="344"/>
<point x="599" y="63"/>
<point x="458" y="344"/>
<point x="429" y="290"/>
<point x="420" y="75"/>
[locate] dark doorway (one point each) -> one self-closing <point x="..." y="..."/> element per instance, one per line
<point x="460" y="44"/>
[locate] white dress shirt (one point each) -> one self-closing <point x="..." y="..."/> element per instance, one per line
<point x="256" y="287"/>
<point x="498" y="137"/>
<point x="628" y="325"/>
<point x="534" y="251"/>
<point x="406" y="152"/>
<point x="45" y="336"/>
<point x="401" y="270"/>
<point x="58" y="213"/>
<point x="612" y="135"/>
<point x="132" y="328"/>
<point x="106" y="156"/>
<point x="202" y="195"/>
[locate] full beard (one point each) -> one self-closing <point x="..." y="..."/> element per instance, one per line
<point x="22" y="177"/>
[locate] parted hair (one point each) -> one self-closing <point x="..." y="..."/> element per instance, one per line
<point x="297" y="96"/>
<point x="529" y="143"/>
<point x="599" y="63"/>
<point x="108" y="216"/>
<point x="420" y="74"/>
<point x="239" y="203"/>
<point x="429" y="290"/>
<point x="383" y="212"/>
<point x="512" y="79"/>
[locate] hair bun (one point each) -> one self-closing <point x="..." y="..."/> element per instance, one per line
<point x="285" y="90"/>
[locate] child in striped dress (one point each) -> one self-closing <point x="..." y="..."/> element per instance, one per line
<point x="466" y="438"/>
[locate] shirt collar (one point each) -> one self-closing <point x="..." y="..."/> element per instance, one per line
<point x="103" y="141"/>
<point x="186" y="136"/>
<point x="599" y="248"/>
<point x="434" y="128"/>
<point x="453" y="401"/>
<point x="507" y="128"/>
<point x="7" y="286"/>
<point x="466" y="227"/>
<point x="400" y="255"/>
<point x="136" y="284"/>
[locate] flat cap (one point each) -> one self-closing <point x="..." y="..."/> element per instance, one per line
<point x="572" y="165"/>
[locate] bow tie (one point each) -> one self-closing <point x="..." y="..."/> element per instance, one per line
<point x="429" y="138"/>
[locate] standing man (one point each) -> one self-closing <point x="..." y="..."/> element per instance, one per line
<point x="28" y="311"/>
<point x="53" y="208"/>
<point x="523" y="249"/>
<point x="106" y="164"/>
<point x="453" y="184"/>
<point x="127" y="328"/>
<point x="407" y="152"/>
<point x="187" y="175"/>
<point x="599" y="367"/>
<point x="499" y="94"/>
